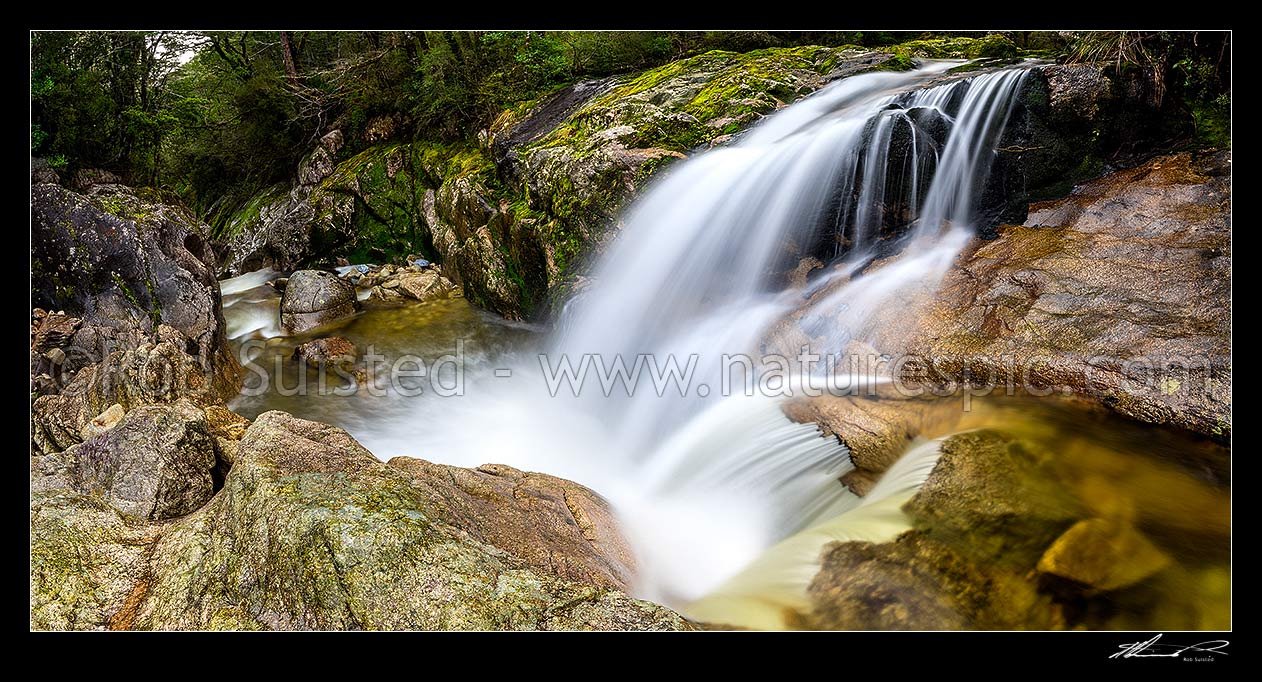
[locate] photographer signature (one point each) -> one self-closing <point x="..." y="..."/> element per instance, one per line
<point x="1153" y="649"/>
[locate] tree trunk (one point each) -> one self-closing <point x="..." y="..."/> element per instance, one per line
<point x="291" y="61"/>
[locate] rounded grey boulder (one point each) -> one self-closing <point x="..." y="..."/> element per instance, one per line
<point x="313" y="298"/>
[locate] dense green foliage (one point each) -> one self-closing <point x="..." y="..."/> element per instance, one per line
<point x="217" y="117"/>
<point x="1193" y="68"/>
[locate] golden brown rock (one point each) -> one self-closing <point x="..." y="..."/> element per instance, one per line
<point x="1119" y="293"/>
<point x="1104" y="554"/>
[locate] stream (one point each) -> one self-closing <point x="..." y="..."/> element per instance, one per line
<point x="727" y="502"/>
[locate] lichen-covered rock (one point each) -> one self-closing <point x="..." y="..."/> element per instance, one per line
<point x="310" y="531"/>
<point x="314" y="298"/>
<point x="1103" y="554"/>
<point x="88" y="562"/>
<point x="315" y="167"/>
<point x="155" y="463"/>
<point x="125" y="265"/>
<point x="551" y="523"/>
<point x="1070" y="124"/>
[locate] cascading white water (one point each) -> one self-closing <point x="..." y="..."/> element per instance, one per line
<point x="698" y="272"/>
<point x="705" y="483"/>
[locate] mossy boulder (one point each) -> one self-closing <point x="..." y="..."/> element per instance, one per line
<point x="310" y="531"/>
<point x="514" y="218"/>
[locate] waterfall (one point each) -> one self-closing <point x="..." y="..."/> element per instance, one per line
<point x="698" y="271"/>
<point x="704" y="483"/>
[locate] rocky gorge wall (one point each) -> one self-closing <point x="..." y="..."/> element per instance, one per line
<point x="153" y="506"/>
<point x="517" y="216"/>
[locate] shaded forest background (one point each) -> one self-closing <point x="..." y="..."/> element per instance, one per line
<point x="214" y="117"/>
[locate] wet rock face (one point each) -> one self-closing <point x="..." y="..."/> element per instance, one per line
<point x="1072" y="123"/>
<point x="1119" y="293"/>
<point x="314" y="298"/>
<point x="517" y="218"/>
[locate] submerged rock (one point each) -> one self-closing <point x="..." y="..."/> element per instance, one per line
<point x="315" y="298"/>
<point x="334" y="350"/>
<point x="1103" y="554"/>
<point x="917" y="583"/>
<point x="1001" y="539"/>
<point x="995" y="494"/>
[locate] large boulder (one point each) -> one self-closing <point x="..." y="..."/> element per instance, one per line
<point x="314" y="298"/>
<point x="1119" y="293"/>
<point x="133" y="270"/>
<point x="310" y="531"/>
<point x="156" y="462"/>
<point x="1037" y="531"/>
